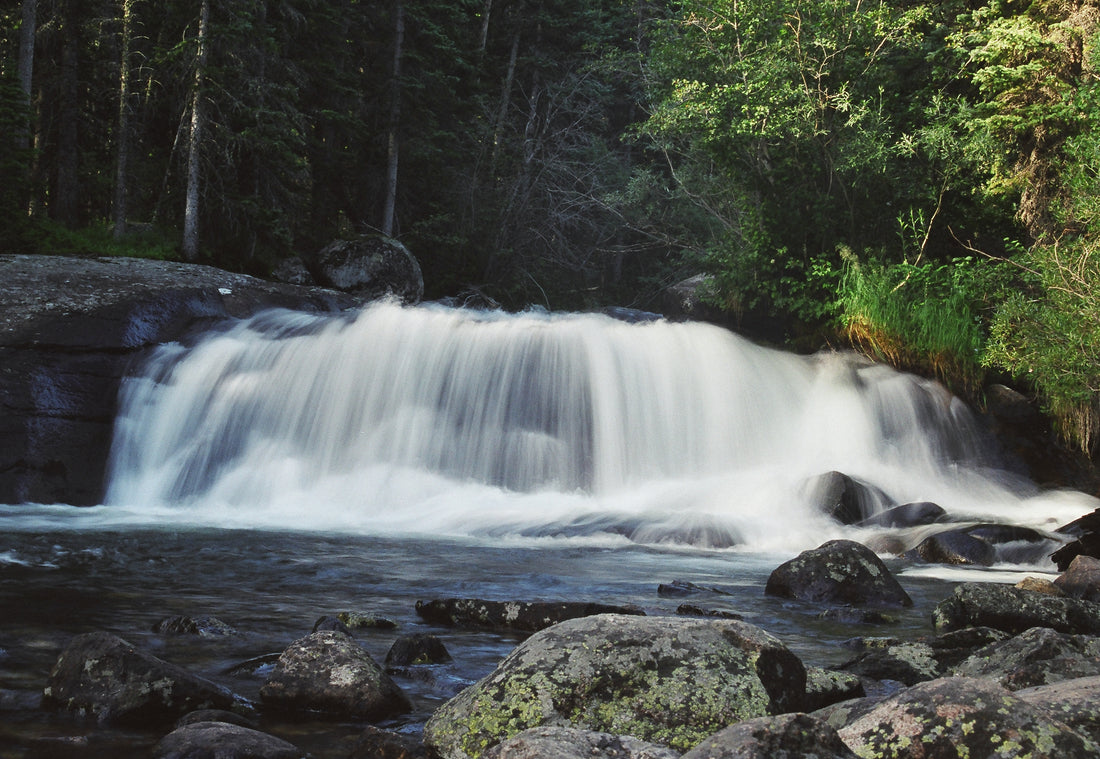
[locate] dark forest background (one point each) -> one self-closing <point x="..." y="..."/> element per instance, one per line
<point x="918" y="179"/>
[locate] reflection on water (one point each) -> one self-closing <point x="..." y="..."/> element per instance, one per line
<point x="273" y="586"/>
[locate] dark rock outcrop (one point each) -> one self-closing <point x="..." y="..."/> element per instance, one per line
<point x="102" y="676"/>
<point x="838" y="572"/>
<point x="222" y="740"/>
<point x="906" y="515"/>
<point x="371" y="266"/>
<point x="962" y="716"/>
<point x="328" y="673"/>
<point x="665" y="680"/>
<point x="846" y="499"/>
<point x="510" y="616"/>
<point x="955" y="547"/>
<point x="70" y="328"/>
<point x="786" y="736"/>
<point x="1013" y="610"/>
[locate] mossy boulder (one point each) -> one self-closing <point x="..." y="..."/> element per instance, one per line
<point x="1014" y="610"/>
<point x="102" y="676"/>
<point x="667" y="680"/>
<point x="957" y="717"/>
<point x="915" y="660"/>
<point x="838" y="572"/>
<point x="327" y="672"/>
<point x="787" y="736"/>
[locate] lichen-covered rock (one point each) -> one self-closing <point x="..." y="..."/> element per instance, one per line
<point x="961" y="716"/>
<point x="370" y="265"/>
<point x="1081" y="579"/>
<point x="787" y="736"/>
<point x="915" y="660"/>
<point x="328" y="672"/>
<point x="825" y="687"/>
<point x="571" y="743"/>
<point x="510" y="616"/>
<point x="1013" y="610"/>
<point x="1038" y="656"/>
<point x="1075" y="702"/>
<point x="102" y="676"/>
<point x="838" y="572"/>
<point x="222" y="740"/>
<point x="667" y="680"/>
<point x="204" y="627"/>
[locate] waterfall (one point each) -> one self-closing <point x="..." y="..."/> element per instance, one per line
<point x="455" y="422"/>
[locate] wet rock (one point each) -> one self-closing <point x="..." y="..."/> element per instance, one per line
<point x="919" y="659"/>
<point x="690" y="610"/>
<point x="256" y="666"/>
<point x="571" y="743"/>
<point x="955" y="547"/>
<point x="1075" y="702"/>
<point x="358" y="620"/>
<point x="826" y="686"/>
<point x="204" y="627"/>
<point x="683" y="588"/>
<point x="216" y="715"/>
<point x="1038" y="656"/>
<point x="419" y="648"/>
<point x="327" y="672"/>
<point x="102" y="676"/>
<point x="371" y="265"/>
<point x="332" y="624"/>
<point x="222" y="740"/>
<point x="1039" y="585"/>
<point x="961" y="716"/>
<point x="907" y="515"/>
<point x="1086" y="530"/>
<point x="667" y="680"/>
<point x="787" y="736"/>
<point x="850" y="616"/>
<point x="376" y="743"/>
<point x="1004" y="607"/>
<point x="846" y="499"/>
<point x="515" y="616"/>
<point x="1081" y="579"/>
<point x="838" y="572"/>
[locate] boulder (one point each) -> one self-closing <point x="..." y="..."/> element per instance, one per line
<point x="919" y="659"/>
<point x="222" y="740"/>
<point x="216" y="715"/>
<point x="666" y="680"/>
<point x="838" y="572"/>
<point x="358" y="620"/>
<point x="1071" y="701"/>
<point x="1013" y="610"/>
<point x="510" y="616"/>
<point x="101" y="675"/>
<point x="954" y="547"/>
<point x="1081" y="579"/>
<point x="787" y="736"/>
<point x="825" y="687"/>
<point x="683" y="588"/>
<point x="846" y="499"/>
<point x="571" y="743"/>
<point x="907" y="515"/>
<point x="376" y="743"/>
<point x="371" y="266"/>
<point x="418" y="648"/>
<point x="328" y="673"/>
<point x="204" y="627"/>
<point x="962" y="716"/>
<point x="1038" y="656"/>
<point x="69" y="330"/>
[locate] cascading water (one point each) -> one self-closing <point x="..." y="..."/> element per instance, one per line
<point x="429" y="420"/>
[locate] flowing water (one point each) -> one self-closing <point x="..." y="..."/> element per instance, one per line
<point x="292" y="466"/>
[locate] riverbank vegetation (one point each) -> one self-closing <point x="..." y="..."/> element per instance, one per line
<point x="919" y="179"/>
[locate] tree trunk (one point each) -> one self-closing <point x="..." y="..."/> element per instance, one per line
<point x="66" y="205"/>
<point x="388" y="212"/>
<point x="27" y="32"/>
<point x="505" y="98"/>
<point x="122" y="158"/>
<point x="190" y="246"/>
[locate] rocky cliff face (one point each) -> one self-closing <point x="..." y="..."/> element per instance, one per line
<point x="70" y="328"/>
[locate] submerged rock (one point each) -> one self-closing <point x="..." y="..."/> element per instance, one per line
<point x="222" y="740"/>
<point x="102" y="676"/>
<point x="1013" y="610"/>
<point x="328" y="672"/>
<point x="666" y="680"/>
<point x="838" y="572"/>
<point x="571" y="743"/>
<point x="515" y="616"/>
<point x="787" y="736"/>
<point x="962" y="716"/>
<point x="204" y="627"/>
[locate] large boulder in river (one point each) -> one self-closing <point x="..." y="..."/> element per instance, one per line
<point x="101" y="675"/>
<point x="371" y="266"/>
<point x="962" y="716"/>
<point x="846" y="499"/>
<point x="838" y="572"/>
<point x="665" y="680"/>
<point x="329" y="673"/>
<point x="69" y="330"/>
<point x="1014" y="610"/>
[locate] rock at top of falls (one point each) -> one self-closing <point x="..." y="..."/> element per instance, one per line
<point x="670" y="681"/>
<point x="838" y="572"/>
